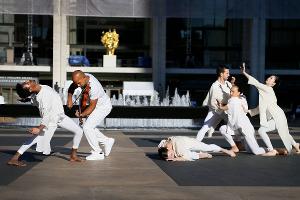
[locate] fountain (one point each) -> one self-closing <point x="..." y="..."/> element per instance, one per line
<point x="137" y="100"/>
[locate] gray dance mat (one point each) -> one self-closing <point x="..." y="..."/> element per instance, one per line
<point x="221" y="170"/>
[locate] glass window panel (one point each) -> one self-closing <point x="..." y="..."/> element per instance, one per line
<point x="13" y="35"/>
<point x="282" y="44"/>
<point x="134" y="39"/>
<point x="205" y="42"/>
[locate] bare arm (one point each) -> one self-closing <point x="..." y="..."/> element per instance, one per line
<point x="232" y="81"/>
<point x="36" y="130"/>
<point x="69" y="101"/>
<point x="253" y="81"/>
<point x="221" y="106"/>
<point x="177" y="159"/>
<point x="90" y="108"/>
<point x="243" y="71"/>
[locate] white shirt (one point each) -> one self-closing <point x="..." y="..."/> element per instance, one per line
<point x="50" y="106"/>
<point x="217" y="91"/>
<point x="185" y="147"/>
<point x="267" y="99"/>
<point x="97" y="92"/>
<point x="237" y="110"/>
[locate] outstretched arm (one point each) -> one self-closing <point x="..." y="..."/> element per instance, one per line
<point x="177" y="159"/>
<point x="243" y="71"/>
<point x="252" y="80"/>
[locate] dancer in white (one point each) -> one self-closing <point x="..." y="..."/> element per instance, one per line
<point x="219" y="91"/>
<point x="99" y="106"/>
<point x="182" y="148"/>
<point x="238" y="122"/>
<point x="271" y="116"/>
<point x="52" y="114"/>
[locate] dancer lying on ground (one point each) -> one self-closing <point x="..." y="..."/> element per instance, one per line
<point x="182" y="148"/>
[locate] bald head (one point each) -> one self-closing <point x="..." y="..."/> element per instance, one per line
<point x="78" y="74"/>
<point x="79" y="78"/>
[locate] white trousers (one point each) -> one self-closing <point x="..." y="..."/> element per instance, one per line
<point x="93" y="135"/>
<point x="200" y="146"/>
<point x="211" y="120"/>
<point x="249" y="134"/>
<point x="262" y="131"/>
<point x="43" y="139"/>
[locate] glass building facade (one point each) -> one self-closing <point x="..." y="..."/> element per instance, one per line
<point x="174" y="43"/>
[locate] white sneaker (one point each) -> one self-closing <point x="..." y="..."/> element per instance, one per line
<point x="95" y="156"/>
<point x="108" y="145"/>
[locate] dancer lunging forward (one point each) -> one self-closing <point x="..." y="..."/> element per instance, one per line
<point x="271" y="116"/>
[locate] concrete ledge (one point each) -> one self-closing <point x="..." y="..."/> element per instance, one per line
<point x="159" y="112"/>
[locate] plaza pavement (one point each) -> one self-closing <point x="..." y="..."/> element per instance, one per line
<point x="133" y="171"/>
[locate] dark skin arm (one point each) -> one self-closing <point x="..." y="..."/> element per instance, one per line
<point x="36" y="130"/>
<point x="89" y="109"/>
<point x="69" y="101"/>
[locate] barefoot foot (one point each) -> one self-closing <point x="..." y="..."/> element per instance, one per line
<point x="235" y="149"/>
<point x="229" y="152"/>
<point x="16" y="163"/>
<point x="297" y="147"/>
<point x="204" y="155"/>
<point x="271" y="153"/>
<point x="75" y="159"/>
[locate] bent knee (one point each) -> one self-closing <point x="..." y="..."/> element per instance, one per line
<point x="223" y="129"/>
<point x="261" y="130"/>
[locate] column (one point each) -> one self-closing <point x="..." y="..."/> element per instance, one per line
<point x="257" y="62"/>
<point x="60" y="47"/>
<point x="159" y="48"/>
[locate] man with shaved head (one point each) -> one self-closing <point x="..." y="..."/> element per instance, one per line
<point x="97" y="108"/>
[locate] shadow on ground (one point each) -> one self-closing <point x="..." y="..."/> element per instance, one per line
<point x="10" y="173"/>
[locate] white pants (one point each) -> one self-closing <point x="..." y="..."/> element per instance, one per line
<point x="93" y="135"/>
<point x="248" y="133"/>
<point x="211" y="120"/>
<point x="262" y="131"/>
<point x="200" y="146"/>
<point x="43" y="139"/>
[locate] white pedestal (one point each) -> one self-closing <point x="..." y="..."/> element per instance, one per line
<point x="10" y="56"/>
<point x="109" y="61"/>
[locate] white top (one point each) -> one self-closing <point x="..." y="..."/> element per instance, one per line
<point x="217" y="91"/>
<point x="97" y="92"/>
<point x="50" y="106"/>
<point x="2" y="100"/>
<point x="268" y="108"/>
<point x="184" y="147"/>
<point x="237" y="110"/>
<point x="267" y="99"/>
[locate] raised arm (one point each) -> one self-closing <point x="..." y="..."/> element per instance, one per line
<point x="243" y="71"/>
<point x="252" y="80"/>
